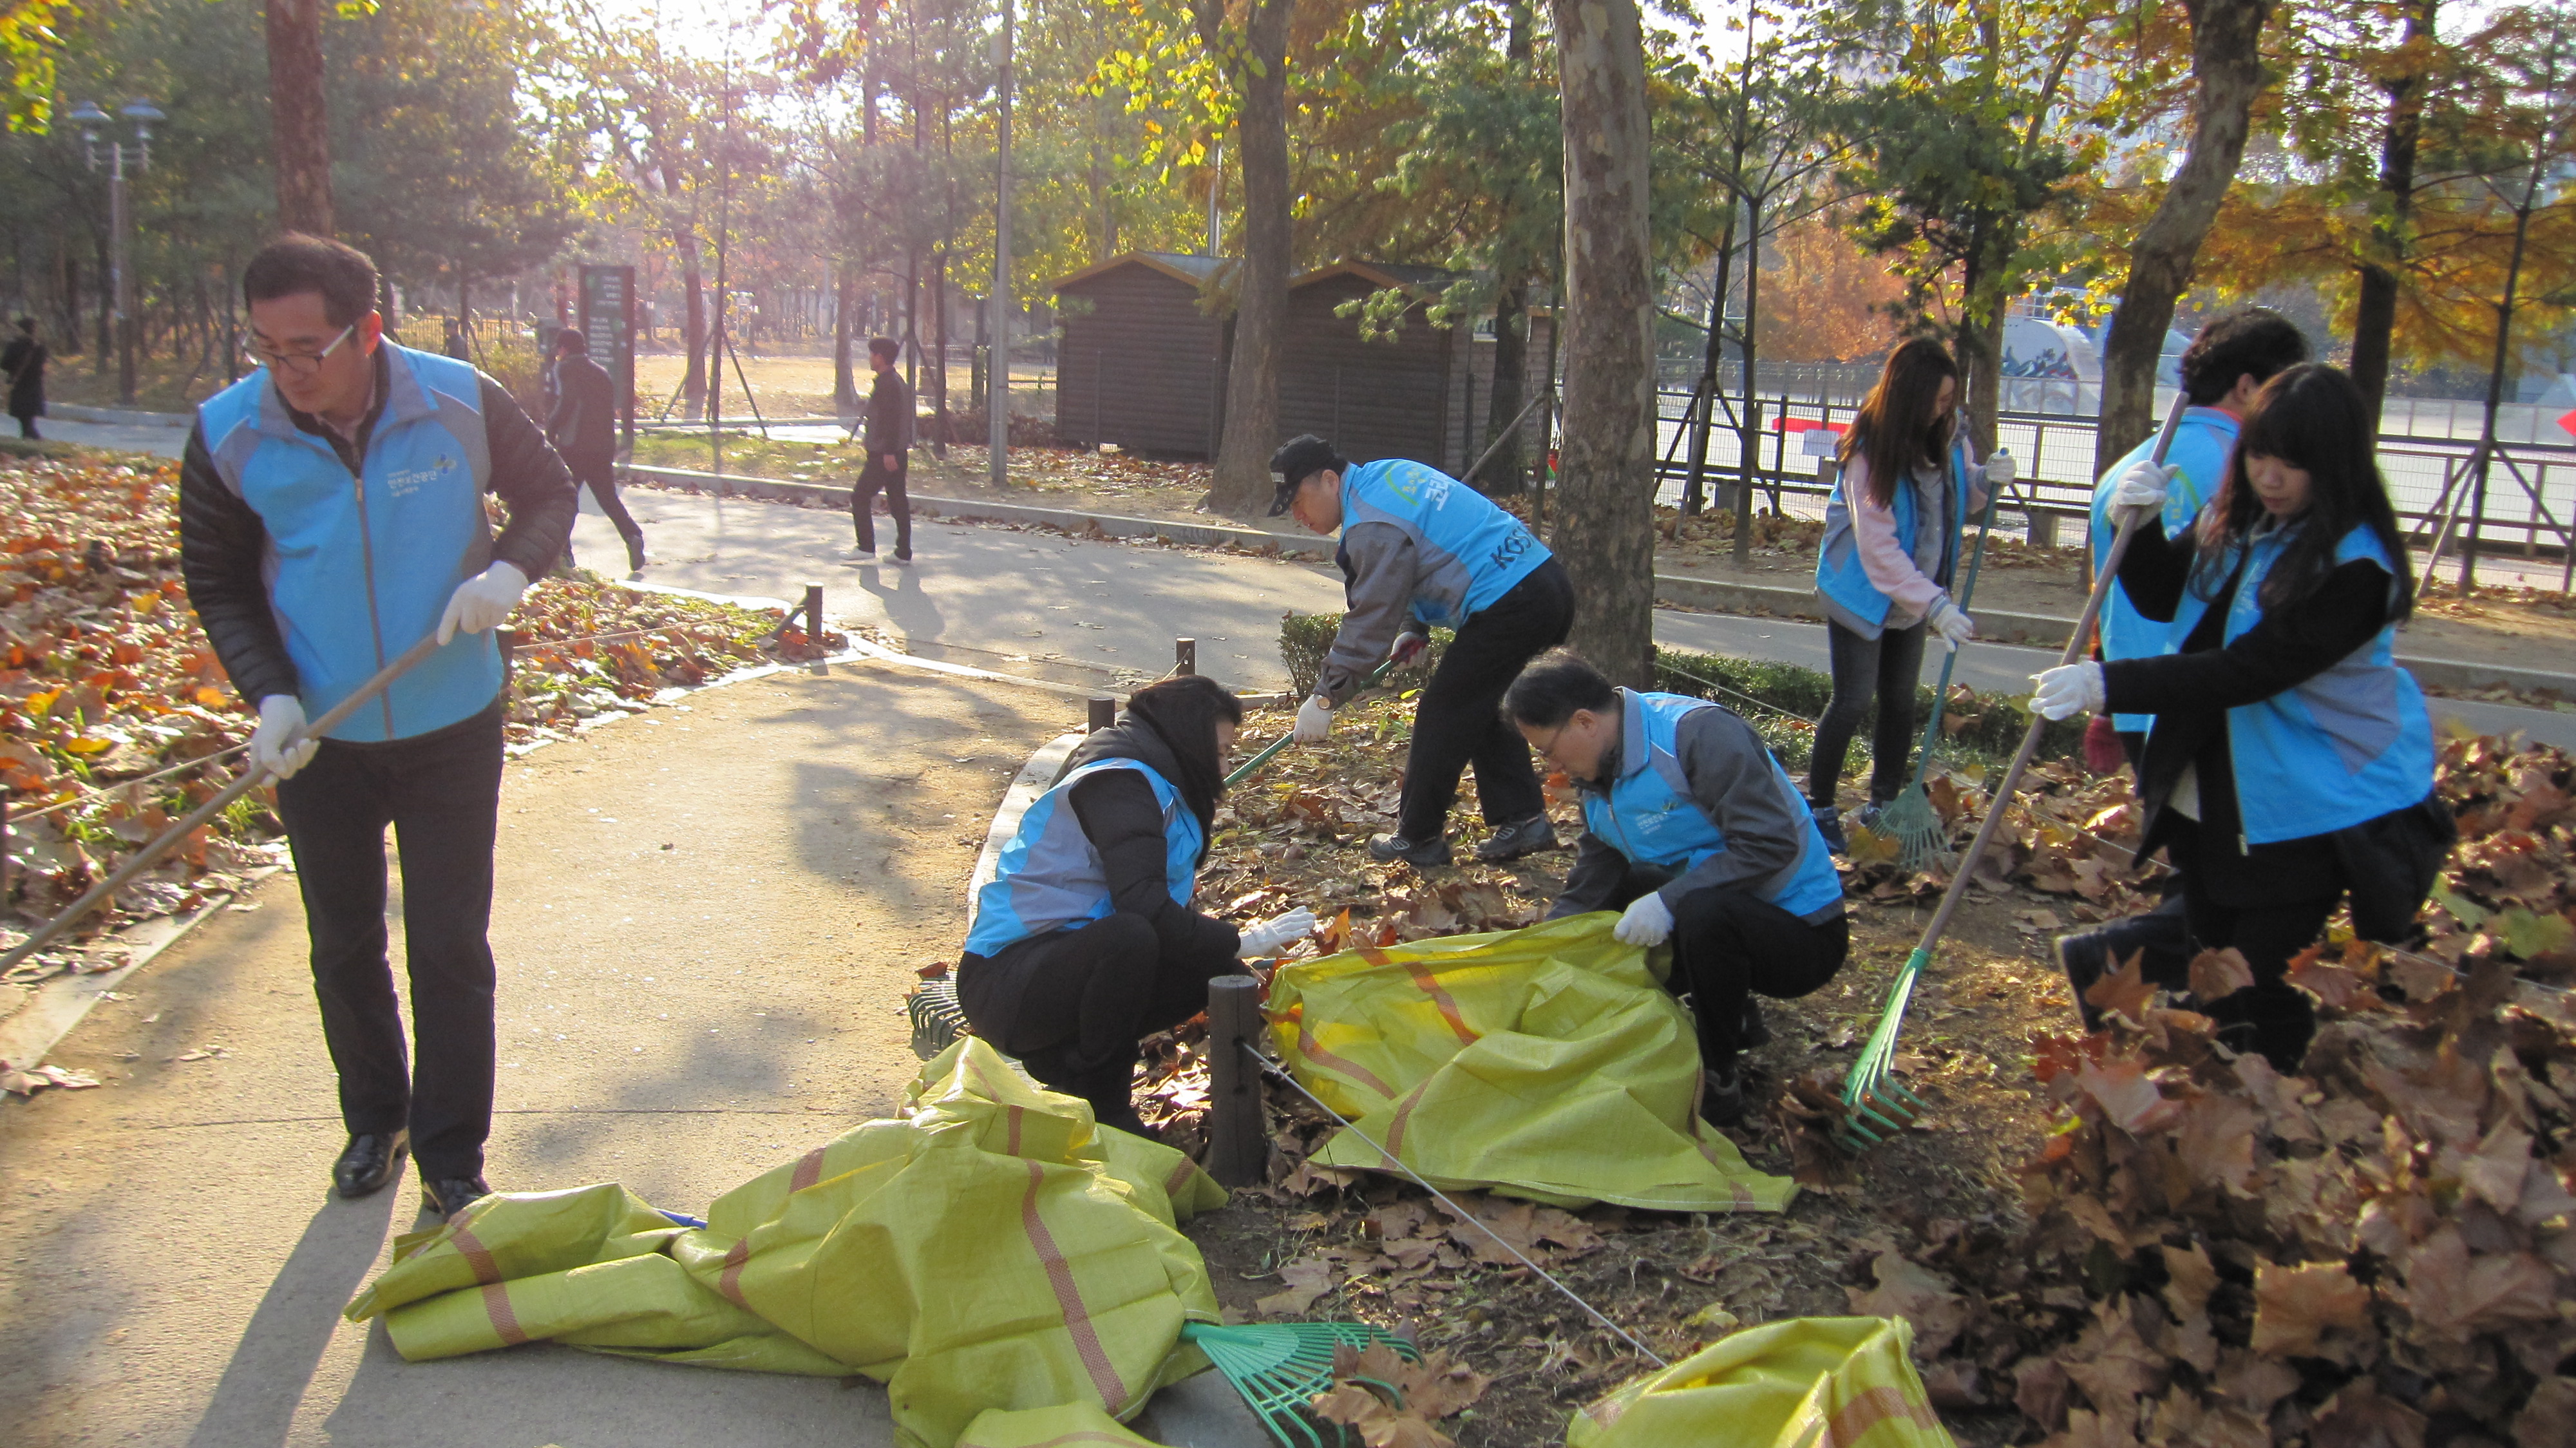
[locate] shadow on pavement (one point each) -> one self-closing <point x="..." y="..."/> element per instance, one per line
<point x="255" y="1401"/>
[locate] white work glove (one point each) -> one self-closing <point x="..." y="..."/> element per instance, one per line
<point x="2067" y="690"/>
<point x="2143" y="487"/>
<point x="482" y="601"/>
<point x="280" y="716"/>
<point x="1646" y="921"/>
<point x="1408" y="647"/>
<point x="1276" y="933"/>
<point x="1314" y="721"/>
<point x="1951" y="625"/>
<point x="2001" y="469"/>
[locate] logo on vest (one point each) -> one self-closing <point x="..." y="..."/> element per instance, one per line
<point x="408" y="481"/>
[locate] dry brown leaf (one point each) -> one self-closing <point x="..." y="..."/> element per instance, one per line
<point x="2360" y="1416"/>
<point x="1305" y="1279"/>
<point x="2128" y="1098"/>
<point x="2453" y="1293"/>
<point x="2295" y="1305"/>
<point x="1908" y="1289"/>
<point x="2549" y="1419"/>
<point x="2125" y="991"/>
<point x="2216" y="974"/>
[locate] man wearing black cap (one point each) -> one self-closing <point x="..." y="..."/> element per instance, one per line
<point x="1421" y="548"/>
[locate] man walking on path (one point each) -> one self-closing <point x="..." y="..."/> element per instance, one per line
<point x="584" y="428"/>
<point x="1421" y="548"/>
<point x="23" y="361"/>
<point x="330" y="515"/>
<point x="889" y="444"/>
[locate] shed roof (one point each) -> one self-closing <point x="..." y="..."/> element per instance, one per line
<point x="1422" y="281"/>
<point x="1191" y="267"/>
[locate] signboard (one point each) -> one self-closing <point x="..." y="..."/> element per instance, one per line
<point x="608" y="329"/>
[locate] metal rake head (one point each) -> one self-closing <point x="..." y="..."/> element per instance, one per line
<point x="1876" y="1104"/>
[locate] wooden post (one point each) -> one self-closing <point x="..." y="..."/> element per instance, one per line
<point x="1238" y="1136"/>
<point x="1104" y="712"/>
<point x="1185" y="656"/>
<point x="814" y="614"/>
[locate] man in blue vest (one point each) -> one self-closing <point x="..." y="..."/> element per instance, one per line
<point x="1697" y="836"/>
<point x="331" y="516"/>
<point x="1421" y="548"/>
<point x="2222" y="369"/>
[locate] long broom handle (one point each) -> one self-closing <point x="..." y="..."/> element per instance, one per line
<point x="2075" y="645"/>
<point x="1247" y="769"/>
<point x="251" y="775"/>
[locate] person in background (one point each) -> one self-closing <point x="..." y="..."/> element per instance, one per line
<point x="455" y="344"/>
<point x="1886" y="563"/>
<point x="2222" y="369"/>
<point x="2289" y="763"/>
<point x="1694" y="832"/>
<point x="1421" y="548"/>
<point x="889" y="444"/>
<point x="330" y="516"/>
<point x="23" y="362"/>
<point x="1085" y="942"/>
<point x="583" y="425"/>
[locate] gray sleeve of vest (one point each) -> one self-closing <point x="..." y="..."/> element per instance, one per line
<point x="533" y="484"/>
<point x="223" y="547"/>
<point x="1733" y="783"/>
<point x="1378" y="603"/>
<point x="1594" y="880"/>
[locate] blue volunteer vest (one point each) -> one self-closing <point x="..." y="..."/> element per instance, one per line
<point x="361" y="568"/>
<point x="1840" y="575"/>
<point x="2349" y="745"/>
<point x="1472" y="552"/>
<point x="2202" y="447"/>
<point x="1649" y="816"/>
<point x="1049" y="876"/>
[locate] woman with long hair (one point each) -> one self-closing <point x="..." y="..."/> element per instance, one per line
<point x="1884" y="569"/>
<point x="2290" y="760"/>
<point x="1085" y="943"/>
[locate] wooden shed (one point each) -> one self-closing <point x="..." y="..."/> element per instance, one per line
<point x="1421" y="394"/>
<point x="1139" y="364"/>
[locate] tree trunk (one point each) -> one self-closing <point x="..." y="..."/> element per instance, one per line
<point x="1242" y="483"/>
<point x="2374" y="311"/>
<point x="1748" y="418"/>
<point x="1503" y="400"/>
<point x="302" y="141"/>
<point x="1605" y="525"/>
<point x="1981" y="334"/>
<point x="2485" y="456"/>
<point x="939" y="353"/>
<point x="1703" y="418"/>
<point x="2228" y="70"/>
<point x="693" y="335"/>
<point x="845" y="321"/>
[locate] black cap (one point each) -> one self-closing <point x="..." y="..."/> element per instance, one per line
<point x="1297" y="459"/>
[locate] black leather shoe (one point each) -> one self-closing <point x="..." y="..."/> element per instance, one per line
<point x="449" y="1195"/>
<point x="369" y="1161"/>
<point x="1421" y="855"/>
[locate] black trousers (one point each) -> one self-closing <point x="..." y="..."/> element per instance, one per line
<point x="26" y="423"/>
<point x="1073" y="1004"/>
<point x="1459" y="719"/>
<point x="872" y="477"/>
<point x="1886" y="669"/>
<point x="2267" y="927"/>
<point x="1731" y="945"/>
<point x="601" y="479"/>
<point x="441" y="792"/>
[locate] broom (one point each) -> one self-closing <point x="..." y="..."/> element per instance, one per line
<point x="150" y="855"/>
<point x="1910" y="818"/>
<point x="1876" y="1104"/>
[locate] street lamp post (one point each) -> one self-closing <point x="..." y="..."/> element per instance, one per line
<point x="119" y="271"/>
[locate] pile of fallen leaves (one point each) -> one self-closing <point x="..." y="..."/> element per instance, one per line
<point x="1392" y="1402"/>
<point x="2511" y="885"/>
<point x="116" y="717"/>
<point x="2068" y="832"/>
<point x="1712" y="530"/>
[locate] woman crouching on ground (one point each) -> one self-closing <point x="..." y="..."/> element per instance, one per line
<point x="1698" y="835"/>
<point x="2290" y="761"/>
<point x="1085" y="943"/>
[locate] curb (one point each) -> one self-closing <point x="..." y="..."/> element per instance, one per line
<point x="75" y="412"/>
<point x="1677" y="590"/>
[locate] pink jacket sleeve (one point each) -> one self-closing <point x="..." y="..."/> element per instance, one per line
<point x="1886" y="558"/>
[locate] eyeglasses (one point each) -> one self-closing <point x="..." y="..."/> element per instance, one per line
<point x="296" y="364"/>
<point x="1547" y="751"/>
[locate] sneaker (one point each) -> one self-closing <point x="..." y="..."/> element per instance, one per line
<point x="2083" y="957"/>
<point x="1512" y="841"/>
<point x="904" y="558"/>
<point x="861" y="555"/>
<point x="1427" y="853"/>
<point x="1721" y="1097"/>
<point x="1829" y="823"/>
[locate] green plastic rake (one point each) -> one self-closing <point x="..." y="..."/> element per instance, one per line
<point x="1280" y="1367"/>
<point x="1910" y="818"/>
<point x="1876" y="1104"/>
<point x="1253" y="765"/>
